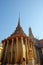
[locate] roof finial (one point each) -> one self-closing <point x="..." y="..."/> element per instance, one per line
<point x="19" y="20"/>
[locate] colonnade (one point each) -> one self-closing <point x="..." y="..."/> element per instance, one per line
<point x="13" y="58"/>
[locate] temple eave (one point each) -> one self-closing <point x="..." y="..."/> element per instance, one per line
<point x="13" y="37"/>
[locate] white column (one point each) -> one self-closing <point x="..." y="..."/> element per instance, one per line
<point x="16" y="50"/>
<point x="6" y="50"/>
<point x="26" y="49"/>
<point x="3" y="50"/>
<point x="12" y="50"/>
<point x="22" y="49"/>
<point x="23" y="52"/>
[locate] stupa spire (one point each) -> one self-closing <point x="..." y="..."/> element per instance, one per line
<point x="19" y="20"/>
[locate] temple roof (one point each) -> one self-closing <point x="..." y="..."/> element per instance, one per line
<point x="40" y="43"/>
<point x="18" y="31"/>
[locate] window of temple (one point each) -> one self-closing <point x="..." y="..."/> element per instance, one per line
<point x="23" y="40"/>
<point x="42" y="50"/>
<point x="14" y="46"/>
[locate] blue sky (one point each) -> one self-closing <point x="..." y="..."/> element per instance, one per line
<point x="31" y="14"/>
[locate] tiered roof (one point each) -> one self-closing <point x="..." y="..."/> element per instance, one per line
<point x="18" y="32"/>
